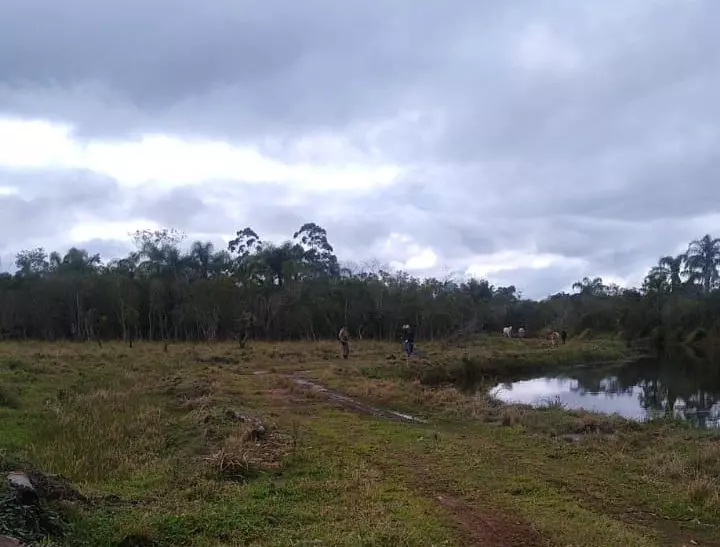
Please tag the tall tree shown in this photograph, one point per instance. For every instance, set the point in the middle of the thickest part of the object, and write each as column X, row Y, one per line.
column 201, row 258
column 590, row 287
column 245, row 243
column 32, row 262
column 317, row 251
column 159, row 254
column 703, row 261
column 80, row 261
column 674, row 265
column 281, row 262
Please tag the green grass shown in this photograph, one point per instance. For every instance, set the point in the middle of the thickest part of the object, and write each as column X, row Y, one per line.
column 472, row 363
column 145, row 435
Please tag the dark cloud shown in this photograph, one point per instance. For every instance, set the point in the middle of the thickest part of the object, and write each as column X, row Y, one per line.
column 557, row 127
column 249, row 68
column 274, row 65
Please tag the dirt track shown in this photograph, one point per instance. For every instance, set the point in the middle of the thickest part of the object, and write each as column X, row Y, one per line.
column 488, row 527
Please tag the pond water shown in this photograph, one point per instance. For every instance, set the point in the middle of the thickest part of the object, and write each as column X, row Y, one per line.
column 685, row 385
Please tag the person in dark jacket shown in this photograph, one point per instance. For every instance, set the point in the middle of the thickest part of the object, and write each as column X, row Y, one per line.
column 409, row 340
column 563, row 335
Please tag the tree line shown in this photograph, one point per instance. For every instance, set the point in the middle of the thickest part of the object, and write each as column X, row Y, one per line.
column 166, row 290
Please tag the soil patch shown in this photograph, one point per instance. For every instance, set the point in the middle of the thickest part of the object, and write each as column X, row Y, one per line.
column 479, row 523
column 489, row 527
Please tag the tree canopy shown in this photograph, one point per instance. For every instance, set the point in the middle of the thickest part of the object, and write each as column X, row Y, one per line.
column 297, row 289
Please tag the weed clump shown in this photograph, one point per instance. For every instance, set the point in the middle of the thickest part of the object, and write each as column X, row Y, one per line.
column 8, row 399
column 12, row 363
column 249, row 449
column 232, row 461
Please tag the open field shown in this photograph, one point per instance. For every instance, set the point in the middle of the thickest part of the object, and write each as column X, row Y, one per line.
column 157, row 445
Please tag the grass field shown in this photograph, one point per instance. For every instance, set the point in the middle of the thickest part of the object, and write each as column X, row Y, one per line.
column 155, row 442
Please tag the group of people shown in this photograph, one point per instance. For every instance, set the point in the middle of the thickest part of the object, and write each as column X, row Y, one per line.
column 344, row 338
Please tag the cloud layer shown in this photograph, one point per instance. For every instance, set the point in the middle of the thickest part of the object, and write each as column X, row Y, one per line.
column 532, row 142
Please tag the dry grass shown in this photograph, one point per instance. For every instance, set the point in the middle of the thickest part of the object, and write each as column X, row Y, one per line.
column 702, row 490
column 232, row 461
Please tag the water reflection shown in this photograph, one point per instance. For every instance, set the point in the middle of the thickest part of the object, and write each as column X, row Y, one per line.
column 685, row 385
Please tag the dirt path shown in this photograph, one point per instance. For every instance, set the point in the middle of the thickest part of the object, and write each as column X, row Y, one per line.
column 353, row 405
column 486, row 527
column 490, row 527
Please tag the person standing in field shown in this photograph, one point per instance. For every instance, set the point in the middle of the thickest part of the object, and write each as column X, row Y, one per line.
column 344, row 337
column 409, row 340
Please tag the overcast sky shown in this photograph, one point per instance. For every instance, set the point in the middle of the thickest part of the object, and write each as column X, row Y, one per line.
column 531, row 142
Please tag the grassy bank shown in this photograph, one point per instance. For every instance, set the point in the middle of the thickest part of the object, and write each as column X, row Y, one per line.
column 482, row 360
column 158, row 444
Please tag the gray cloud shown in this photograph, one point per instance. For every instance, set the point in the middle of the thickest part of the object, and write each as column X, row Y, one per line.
column 553, row 126
column 268, row 63
column 180, row 207
column 49, row 204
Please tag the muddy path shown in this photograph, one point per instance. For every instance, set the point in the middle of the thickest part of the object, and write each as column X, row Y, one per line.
column 353, row 405
column 483, row 525
column 476, row 522
column 489, row 527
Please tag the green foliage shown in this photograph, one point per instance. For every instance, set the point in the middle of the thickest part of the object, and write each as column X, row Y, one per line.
column 298, row 290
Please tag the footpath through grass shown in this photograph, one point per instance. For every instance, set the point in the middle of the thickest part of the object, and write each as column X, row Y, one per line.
column 166, row 451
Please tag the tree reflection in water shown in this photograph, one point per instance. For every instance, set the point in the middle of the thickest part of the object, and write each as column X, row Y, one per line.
column 684, row 383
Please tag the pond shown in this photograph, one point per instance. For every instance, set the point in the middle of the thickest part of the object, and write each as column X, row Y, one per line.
column 685, row 385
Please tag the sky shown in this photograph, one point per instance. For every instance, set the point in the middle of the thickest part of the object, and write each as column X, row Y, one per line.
column 529, row 142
